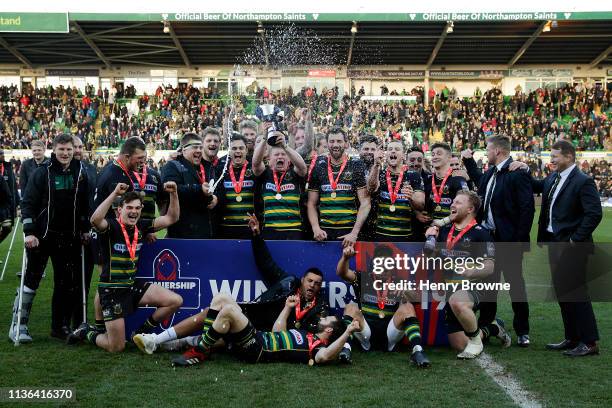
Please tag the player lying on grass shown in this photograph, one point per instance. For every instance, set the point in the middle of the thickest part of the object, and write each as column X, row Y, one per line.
column 385, row 320
column 254, row 346
column 464, row 238
column 121, row 241
column 262, row 311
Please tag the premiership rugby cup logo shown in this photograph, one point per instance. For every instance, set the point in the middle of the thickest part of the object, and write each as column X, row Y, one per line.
column 166, row 272
column 166, row 266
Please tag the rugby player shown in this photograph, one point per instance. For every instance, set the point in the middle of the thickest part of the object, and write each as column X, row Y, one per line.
column 384, row 319
column 280, row 344
column 263, row 310
column 441, row 186
column 337, row 184
column 120, row 294
column 399, row 192
column 461, row 239
column 280, row 188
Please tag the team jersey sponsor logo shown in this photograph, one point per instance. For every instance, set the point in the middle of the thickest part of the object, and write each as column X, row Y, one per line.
column 123, row 248
column 340, row 187
column 299, row 340
column 246, row 183
column 284, row 187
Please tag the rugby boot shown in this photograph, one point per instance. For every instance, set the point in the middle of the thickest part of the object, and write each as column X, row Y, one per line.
column 419, row 358
column 193, row 356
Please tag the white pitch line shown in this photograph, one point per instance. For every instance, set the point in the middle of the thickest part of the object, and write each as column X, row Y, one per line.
column 511, row 386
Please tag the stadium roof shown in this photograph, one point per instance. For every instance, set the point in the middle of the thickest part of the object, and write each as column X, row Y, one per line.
column 365, row 38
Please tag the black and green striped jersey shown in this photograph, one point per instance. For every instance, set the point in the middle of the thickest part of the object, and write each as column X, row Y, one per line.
column 368, row 298
column 118, row 269
column 338, row 212
column 233, row 206
column 290, row 346
column 397, row 223
column 452, row 186
column 281, row 214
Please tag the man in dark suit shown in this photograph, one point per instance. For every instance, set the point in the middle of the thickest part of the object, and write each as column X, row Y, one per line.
column 571, row 210
column 508, row 212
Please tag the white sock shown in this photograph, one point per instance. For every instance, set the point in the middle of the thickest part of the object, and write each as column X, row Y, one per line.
column 28, row 290
column 364, row 335
column 394, row 335
column 165, row 336
column 347, row 345
column 193, row 340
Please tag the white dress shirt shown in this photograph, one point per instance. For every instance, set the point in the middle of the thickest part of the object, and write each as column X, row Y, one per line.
column 488, row 222
column 564, row 175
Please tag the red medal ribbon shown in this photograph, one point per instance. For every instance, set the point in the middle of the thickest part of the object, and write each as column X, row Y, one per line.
column 299, row 313
column 330, row 173
column 2, row 169
column 238, row 187
column 450, row 241
column 141, row 179
column 312, row 343
column 130, row 247
column 394, row 190
column 277, row 182
column 311, row 167
column 380, row 301
column 127, row 173
column 438, row 193
column 202, row 174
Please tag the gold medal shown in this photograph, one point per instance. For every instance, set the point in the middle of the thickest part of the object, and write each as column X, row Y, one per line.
column 238, row 198
column 392, row 208
column 298, row 325
column 278, row 196
column 381, row 314
column 438, row 208
column 333, row 194
column 311, row 362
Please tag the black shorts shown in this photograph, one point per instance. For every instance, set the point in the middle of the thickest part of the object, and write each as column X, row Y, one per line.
column 118, row 303
column 452, row 324
column 378, row 339
column 253, row 350
column 262, row 315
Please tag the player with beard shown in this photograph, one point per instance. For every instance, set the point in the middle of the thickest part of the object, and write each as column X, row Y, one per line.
column 337, row 184
column 464, row 238
column 236, row 193
column 368, row 146
column 398, row 191
column 442, row 186
column 416, row 162
column 121, row 240
column 280, row 188
column 253, row 346
column 8, row 220
column 192, row 171
column 384, row 319
column 248, row 130
column 263, row 310
column 130, row 168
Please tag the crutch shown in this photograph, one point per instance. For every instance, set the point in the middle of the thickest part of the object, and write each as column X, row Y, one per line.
column 83, row 283
column 24, row 265
column 8, row 254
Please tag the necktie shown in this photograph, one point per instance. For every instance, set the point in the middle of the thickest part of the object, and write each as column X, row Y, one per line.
column 489, row 194
column 549, row 198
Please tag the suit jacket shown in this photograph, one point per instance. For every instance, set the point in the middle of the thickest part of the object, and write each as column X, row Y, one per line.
column 512, row 203
column 575, row 213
